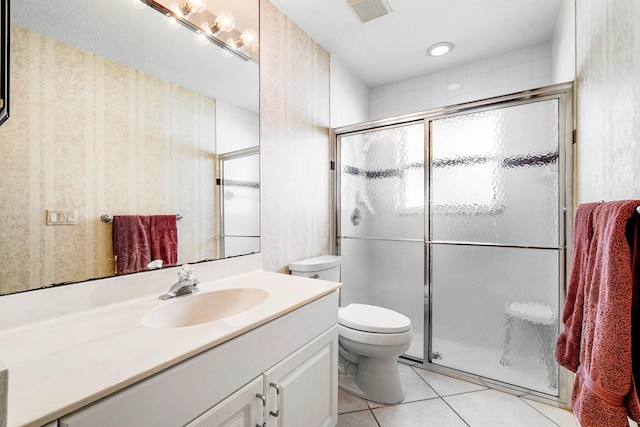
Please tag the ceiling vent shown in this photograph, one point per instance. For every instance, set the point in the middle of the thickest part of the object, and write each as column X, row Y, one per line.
column 366, row 10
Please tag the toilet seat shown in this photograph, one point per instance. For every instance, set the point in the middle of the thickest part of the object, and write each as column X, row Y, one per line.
column 373, row 319
column 373, row 338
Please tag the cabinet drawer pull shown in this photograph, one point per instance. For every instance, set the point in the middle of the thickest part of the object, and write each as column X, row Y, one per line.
column 277, row 411
column 263, row 398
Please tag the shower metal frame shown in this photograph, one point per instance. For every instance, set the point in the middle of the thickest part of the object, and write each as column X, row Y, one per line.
column 564, row 93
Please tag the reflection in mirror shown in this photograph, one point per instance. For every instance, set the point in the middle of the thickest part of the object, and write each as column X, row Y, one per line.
column 115, row 112
column 240, row 202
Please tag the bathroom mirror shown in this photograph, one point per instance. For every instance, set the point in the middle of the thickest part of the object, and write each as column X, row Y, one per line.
column 117, row 110
column 4, row 58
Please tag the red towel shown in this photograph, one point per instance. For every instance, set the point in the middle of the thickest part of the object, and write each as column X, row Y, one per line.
column 164, row 239
column 598, row 311
column 568, row 345
column 131, row 247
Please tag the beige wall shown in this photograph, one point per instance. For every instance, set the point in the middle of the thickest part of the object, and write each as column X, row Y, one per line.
column 88, row 134
column 294, row 126
column 608, row 99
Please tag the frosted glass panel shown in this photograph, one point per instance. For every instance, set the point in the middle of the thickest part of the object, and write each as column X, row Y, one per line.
column 382, row 183
column 386, row 274
column 494, row 176
column 494, row 313
column 241, row 193
column 234, row 246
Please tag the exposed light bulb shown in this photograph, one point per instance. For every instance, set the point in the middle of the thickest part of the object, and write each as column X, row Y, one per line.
column 190, row 7
column 224, row 22
column 248, row 39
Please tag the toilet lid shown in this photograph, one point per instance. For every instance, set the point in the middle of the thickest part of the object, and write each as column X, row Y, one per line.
column 370, row 318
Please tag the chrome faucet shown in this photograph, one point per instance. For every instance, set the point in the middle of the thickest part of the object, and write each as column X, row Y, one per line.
column 186, row 283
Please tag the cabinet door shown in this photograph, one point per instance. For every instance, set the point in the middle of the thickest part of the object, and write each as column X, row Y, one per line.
column 242, row 409
column 302, row 390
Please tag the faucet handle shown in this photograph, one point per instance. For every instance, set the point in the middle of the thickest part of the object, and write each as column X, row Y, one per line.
column 186, row 273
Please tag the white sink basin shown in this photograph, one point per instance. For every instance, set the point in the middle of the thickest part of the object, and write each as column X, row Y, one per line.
column 199, row 308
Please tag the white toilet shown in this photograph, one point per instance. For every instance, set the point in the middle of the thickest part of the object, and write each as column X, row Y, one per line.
column 370, row 339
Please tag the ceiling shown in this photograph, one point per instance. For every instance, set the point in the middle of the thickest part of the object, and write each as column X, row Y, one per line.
column 393, row 47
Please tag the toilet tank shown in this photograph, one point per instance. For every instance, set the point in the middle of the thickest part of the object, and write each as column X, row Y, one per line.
column 326, row 267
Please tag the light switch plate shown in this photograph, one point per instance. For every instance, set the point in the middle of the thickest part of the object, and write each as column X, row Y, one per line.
column 62, row 217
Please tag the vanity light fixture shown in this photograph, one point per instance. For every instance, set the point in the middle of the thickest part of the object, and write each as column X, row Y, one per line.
column 193, row 15
column 440, row 49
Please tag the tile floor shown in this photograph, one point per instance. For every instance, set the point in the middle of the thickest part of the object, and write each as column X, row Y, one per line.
column 441, row 401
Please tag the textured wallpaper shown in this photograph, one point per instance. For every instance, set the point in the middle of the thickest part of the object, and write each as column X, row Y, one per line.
column 294, row 138
column 92, row 135
column 608, row 99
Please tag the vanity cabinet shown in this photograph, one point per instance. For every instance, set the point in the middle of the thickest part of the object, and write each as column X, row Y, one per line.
column 242, row 408
column 291, row 361
column 303, row 389
column 299, row 391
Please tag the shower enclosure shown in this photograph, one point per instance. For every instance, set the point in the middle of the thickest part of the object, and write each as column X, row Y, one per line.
column 456, row 218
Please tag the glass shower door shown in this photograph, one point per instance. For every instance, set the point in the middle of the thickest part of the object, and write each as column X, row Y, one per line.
column 494, row 243
column 381, row 234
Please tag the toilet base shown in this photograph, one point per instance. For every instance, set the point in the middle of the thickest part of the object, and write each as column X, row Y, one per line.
column 377, row 380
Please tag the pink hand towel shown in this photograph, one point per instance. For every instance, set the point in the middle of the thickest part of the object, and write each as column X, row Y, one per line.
column 164, row 239
column 603, row 391
column 131, row 247
column 568, row 344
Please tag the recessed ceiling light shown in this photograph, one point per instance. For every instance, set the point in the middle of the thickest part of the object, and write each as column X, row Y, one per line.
column 440, row 49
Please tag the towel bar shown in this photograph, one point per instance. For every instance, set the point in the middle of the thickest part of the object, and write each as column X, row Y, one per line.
column 106, row 218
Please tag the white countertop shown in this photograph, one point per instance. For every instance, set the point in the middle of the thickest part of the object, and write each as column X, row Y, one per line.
column 61, row 364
